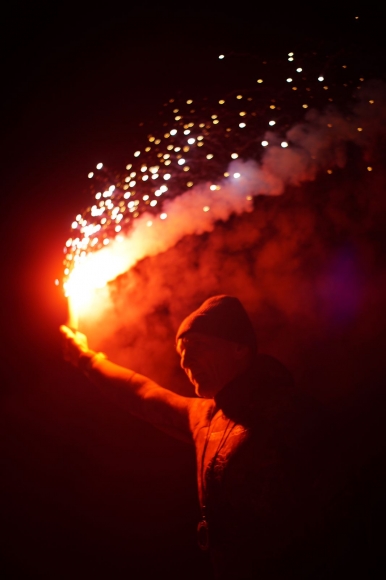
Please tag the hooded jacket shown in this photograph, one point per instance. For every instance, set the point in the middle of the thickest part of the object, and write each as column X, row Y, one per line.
column 259, row 449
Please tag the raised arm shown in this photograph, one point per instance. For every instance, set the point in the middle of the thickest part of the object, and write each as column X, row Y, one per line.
column 140, row 395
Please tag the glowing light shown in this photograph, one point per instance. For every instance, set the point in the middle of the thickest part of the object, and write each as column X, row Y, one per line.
column 74, row 225
column 290, row 58
column 141, row 199
column 163, row 188
column 163, row 216
column 290, row 54
column 371, row 102
column 99, row 166
column 329, row 171
column 149, row 223
column 221, row 56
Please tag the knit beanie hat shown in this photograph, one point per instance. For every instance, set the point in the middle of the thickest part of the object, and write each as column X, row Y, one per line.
column 223, row 317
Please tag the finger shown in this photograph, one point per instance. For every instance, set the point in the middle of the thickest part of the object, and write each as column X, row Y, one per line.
column 66, row 331
column 68, row 343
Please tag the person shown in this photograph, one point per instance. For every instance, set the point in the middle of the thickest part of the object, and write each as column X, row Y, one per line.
column 254, row 436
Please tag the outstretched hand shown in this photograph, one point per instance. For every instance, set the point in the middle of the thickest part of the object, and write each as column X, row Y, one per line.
column 74, row 344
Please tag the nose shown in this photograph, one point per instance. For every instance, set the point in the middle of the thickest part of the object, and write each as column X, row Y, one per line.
column 183, row 359
column 186, row 358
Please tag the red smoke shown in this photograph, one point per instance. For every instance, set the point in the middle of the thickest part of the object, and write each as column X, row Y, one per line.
column 309, row 266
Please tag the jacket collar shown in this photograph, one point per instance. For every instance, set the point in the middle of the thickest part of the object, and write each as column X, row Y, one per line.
column 254, row 394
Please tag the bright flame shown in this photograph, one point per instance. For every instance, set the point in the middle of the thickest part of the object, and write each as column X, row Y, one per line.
column 90, row 274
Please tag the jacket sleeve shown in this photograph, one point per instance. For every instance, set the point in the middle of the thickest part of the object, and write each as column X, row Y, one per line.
column 142, row 397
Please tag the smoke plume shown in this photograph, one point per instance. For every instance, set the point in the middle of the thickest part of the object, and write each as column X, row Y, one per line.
column 299, row 237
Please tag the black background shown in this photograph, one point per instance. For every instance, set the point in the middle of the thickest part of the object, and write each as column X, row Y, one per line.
column 89, row 492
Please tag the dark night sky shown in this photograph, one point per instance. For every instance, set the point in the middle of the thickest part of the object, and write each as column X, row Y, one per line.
column 76, row 84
